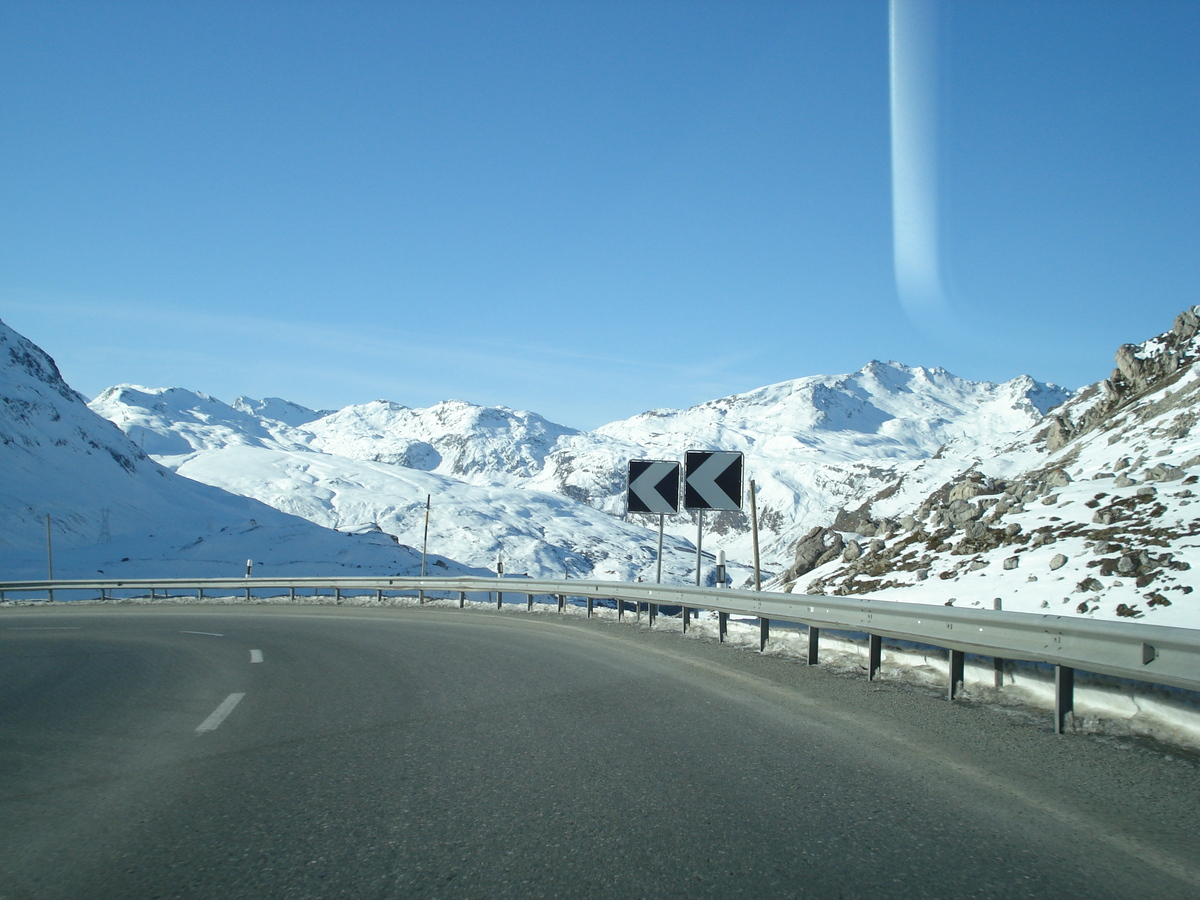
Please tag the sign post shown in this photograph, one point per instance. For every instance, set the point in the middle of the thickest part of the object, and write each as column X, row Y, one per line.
column 712, row 480
column 654, row 488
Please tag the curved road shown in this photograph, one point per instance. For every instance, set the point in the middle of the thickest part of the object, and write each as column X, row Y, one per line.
column 336, row 752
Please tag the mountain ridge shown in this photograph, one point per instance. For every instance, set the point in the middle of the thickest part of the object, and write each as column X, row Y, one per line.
column 1084, row 514
column 807, row 440
column 75, row 480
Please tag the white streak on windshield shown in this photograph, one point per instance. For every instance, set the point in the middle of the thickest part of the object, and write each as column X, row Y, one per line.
column 914, row 53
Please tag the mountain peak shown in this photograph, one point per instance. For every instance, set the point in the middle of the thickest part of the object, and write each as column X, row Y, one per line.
column 1085, row 516
column 279, row 410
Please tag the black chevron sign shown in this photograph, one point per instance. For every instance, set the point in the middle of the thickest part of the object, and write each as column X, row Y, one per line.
column 653, row 486
column 713, row 479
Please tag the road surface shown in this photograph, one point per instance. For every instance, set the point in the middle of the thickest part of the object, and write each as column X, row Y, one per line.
column 291, row 751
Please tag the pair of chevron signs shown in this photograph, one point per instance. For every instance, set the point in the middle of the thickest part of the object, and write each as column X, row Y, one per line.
column 712, row 480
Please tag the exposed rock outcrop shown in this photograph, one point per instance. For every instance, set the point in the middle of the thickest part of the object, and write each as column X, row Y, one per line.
column 1107, row 481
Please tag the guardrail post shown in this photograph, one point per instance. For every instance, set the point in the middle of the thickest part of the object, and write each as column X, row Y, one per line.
column 590, row 601
column 421, row 597
column 292, row 594
column 997, row 662
column 337, row 595
column 620, row 609
column 200, row 594
column 378, row 595
column 958, row 666
column 499, row 599
column 814, row 643
column 874, row 655
column 722, row 626
column 562, row 602
column 686, row 616
column 247, row 595
column 1064, row 696
column 764, row 633
column 462, row 599
column 529, row 603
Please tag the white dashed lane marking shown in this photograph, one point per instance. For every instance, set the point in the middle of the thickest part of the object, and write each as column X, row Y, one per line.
column 255, row 656
column 213, row 722
column 209, row 633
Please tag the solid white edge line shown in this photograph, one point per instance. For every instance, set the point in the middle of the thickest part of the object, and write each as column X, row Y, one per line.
column 209, row 633
column 255, row 656
column 218, row 715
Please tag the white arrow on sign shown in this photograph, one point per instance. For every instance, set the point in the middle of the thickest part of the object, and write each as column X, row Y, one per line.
column 653, row 486
column 713, row 480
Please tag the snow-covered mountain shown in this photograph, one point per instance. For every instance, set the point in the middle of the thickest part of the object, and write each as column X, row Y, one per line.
column 113, row 510
column 278, row 410
column 480, row 445
column 383, row 480
column 893, row 480
column 813, row 445
column 1087, row 513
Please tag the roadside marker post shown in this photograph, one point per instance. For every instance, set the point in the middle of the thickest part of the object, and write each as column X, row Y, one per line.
column 712, row 480
column 653, row 487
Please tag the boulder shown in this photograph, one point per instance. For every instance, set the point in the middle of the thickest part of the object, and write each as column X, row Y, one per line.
column 816, row 548
column 959, row 512
column 1056, row 478
column 966, row 490
column 1163, row 472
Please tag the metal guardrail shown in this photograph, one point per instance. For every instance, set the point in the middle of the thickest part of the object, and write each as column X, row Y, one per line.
column 1151, row 653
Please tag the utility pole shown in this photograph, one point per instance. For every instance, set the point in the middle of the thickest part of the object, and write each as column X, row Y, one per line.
column 754, row 530
column 424, row 548
column 49, row 557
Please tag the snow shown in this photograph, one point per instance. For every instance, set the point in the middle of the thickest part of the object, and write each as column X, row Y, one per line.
column 1113, row 469
column 114, row 511
column 549, row 500
column 813, row 445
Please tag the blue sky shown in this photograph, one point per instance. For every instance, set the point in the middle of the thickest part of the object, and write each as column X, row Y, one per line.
column 583, row 209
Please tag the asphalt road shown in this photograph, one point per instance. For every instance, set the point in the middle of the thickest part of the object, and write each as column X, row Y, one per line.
column 332, row 752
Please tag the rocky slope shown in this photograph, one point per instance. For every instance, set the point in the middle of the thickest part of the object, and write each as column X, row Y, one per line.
column 812, row 444
column 1087, row 513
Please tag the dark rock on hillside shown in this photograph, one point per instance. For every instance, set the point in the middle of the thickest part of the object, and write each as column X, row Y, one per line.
column 1111, row 477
